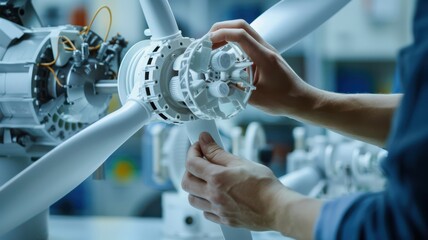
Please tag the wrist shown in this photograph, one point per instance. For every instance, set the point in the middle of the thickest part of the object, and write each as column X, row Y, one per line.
column 294, row 214
column 284, row 201
column 301, row 99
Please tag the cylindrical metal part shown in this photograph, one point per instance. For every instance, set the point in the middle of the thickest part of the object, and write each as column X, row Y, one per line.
column 102, row 51
column 106, row 86
column 85, row 51
column 77, row 56
column 109, row 58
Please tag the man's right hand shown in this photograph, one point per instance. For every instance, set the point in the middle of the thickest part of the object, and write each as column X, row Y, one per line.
column 278, row 88
column 280, row 91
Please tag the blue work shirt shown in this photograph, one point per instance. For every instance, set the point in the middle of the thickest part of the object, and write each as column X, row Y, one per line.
column 401, row 211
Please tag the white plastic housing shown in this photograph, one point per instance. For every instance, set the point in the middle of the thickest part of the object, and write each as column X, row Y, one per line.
column 289, row 21
column 160, row 19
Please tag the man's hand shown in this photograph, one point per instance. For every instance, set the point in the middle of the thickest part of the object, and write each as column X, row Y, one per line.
column 241, row 193
column 279, row 89
column 230, row 190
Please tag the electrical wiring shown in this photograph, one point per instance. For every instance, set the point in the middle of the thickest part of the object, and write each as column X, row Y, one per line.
column 88, row 28
column 72, row 47
column 67, row 40
column 50, row 64
column 55, row 76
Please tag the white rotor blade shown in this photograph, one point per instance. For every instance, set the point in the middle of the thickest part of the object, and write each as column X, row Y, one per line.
column 287, row 22
column 194, row 129
column 65, row 167
column 160, row 18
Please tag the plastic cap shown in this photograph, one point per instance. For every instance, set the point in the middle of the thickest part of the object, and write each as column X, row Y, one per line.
column 222, row 61
column 219, row 89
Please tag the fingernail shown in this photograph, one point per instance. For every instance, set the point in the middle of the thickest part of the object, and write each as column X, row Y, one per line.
column 206, row 138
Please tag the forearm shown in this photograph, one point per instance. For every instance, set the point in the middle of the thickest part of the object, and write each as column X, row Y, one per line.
column 367, row 117
column 296, row 215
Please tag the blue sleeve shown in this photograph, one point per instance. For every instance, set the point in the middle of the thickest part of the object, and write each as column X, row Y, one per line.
column 368, row 216
column 401, row 211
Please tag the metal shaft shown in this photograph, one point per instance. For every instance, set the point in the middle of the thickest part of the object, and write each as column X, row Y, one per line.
column 106, row 86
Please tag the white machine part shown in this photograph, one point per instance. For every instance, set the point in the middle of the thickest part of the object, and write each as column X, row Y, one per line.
column 63, row 168
column 249, row 145
column 333, row 165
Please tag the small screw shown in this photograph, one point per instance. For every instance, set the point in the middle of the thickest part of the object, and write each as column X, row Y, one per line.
column 189, row 220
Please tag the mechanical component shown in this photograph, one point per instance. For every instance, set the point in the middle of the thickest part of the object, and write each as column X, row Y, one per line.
column 214, row 84
column 20, row 12
column 346, row 165
column 48, row 92
column 176, row 78
column 149, row 65
column 255, row 141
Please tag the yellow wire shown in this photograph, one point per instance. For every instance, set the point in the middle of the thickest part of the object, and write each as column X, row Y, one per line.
column 87, row 29
column 95, row 48
column 49, row 64
column 73, row 47
column 54, row 75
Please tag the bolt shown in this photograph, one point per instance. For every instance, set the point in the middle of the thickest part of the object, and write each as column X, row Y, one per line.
column 189, row 220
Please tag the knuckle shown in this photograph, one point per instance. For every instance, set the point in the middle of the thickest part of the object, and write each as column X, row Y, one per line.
column 222, row 31
column 189, row 163
column 217, row 180
column 241, row 23
column 192, row 200
column 216, row 26
column 185, row 184
column 211, row 217
column 217, row 198
column 221, row 212
column 230, row 222
column 272, row 57
column 214, row 151
column 241, row 33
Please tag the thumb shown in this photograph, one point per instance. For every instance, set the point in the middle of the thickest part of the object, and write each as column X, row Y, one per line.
column 212, row 151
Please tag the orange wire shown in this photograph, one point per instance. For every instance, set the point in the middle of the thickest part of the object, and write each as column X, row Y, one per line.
column 57, row 56
column 54, row 75
column 87, row 29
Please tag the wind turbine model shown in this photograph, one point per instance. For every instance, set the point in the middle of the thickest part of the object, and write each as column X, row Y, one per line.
column 169, row 78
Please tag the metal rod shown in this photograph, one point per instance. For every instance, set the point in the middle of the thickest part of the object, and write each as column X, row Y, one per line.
column 106, row 86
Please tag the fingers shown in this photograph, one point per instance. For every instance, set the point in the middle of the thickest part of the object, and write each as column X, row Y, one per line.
column 199, row 203
column 241, row 24
column 198, row 166
column 256, row 51
column 213, row 152
column 212, row 217
column 194, row 151
column 194, row 185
